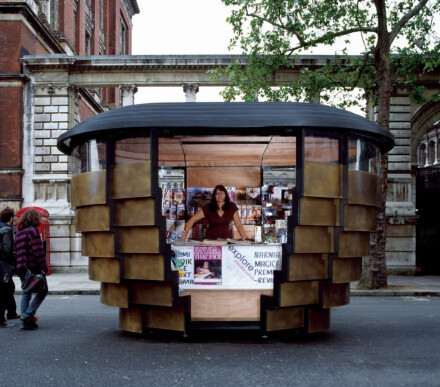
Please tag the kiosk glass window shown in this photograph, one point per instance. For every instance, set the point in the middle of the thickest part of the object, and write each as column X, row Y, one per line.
column 321, row 149
column 131, row 150
column 364, row 156
column 88, row 157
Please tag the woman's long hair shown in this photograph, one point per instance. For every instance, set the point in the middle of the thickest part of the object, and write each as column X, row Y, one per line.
column 30, row 218
column 213, row 206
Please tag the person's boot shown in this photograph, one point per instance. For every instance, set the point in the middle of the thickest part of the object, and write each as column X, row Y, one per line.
column 5, row 324
column 28, row 324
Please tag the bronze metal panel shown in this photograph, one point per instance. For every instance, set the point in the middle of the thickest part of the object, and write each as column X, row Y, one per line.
column 134, row 212
column 139, row 240
column 313, row 239
column 104, row 270
column 346, row 270
column 308, row 267
column 319, row 320
column 98, row 244
column 336, row 295
column 172, row 319
column 144, row 267
column 131, row 180
column 322, row 180
column 152, row 294
column 318, row 212
column 359, row 218
column 114, row 295
column 364, row 188
column 228, row 176
column 280, row 319
column 299, row 293
column 92, row 218
column 354, row 244
column 88, row 189
column 130, row 320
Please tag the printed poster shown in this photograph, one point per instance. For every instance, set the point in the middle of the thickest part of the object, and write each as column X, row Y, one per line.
column 226, row 267
column 207, row 265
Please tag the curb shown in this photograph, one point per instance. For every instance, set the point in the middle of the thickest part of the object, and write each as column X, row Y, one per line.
column 395, row 293
column 353, row 293
column 72, row 292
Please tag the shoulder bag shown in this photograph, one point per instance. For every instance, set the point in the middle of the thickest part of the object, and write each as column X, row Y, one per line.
column 34, row 283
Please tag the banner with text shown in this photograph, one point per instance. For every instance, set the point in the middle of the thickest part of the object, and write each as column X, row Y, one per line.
column 226, row 267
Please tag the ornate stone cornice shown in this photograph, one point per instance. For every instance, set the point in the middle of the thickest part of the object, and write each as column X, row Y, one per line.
column 155, row 62
column 51, row 87
column 131, row 7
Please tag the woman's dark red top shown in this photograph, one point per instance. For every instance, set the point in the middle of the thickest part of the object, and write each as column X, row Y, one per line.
column 219, row 226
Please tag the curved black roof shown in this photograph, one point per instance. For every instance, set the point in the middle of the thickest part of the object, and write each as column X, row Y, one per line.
column 223, row 118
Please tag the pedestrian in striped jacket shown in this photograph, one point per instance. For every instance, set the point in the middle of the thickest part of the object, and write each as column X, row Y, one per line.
column 30, row 256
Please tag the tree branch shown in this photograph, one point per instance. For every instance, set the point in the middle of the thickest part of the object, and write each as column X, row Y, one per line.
column 302, row 42
column 405, row 19
column 331, row 35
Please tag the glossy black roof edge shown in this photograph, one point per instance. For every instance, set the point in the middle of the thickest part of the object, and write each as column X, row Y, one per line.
column 257, row 116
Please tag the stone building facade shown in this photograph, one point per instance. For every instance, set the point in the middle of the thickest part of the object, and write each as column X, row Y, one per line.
column 32, row 170
column 409, row 123
column 62, row 61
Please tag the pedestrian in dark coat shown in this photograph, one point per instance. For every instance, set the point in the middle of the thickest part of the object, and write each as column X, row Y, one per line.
column 30, row 256
column 7, row 255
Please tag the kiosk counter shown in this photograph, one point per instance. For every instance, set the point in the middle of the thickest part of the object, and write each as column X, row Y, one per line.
column 306, row 180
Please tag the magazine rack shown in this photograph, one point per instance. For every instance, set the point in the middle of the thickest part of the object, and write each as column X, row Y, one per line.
column 335, row 156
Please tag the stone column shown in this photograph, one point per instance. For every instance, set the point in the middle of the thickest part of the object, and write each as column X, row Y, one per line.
column 190, row 90
column 55, row 109
column 436, row 151
column 400, row 204
column 127, row 94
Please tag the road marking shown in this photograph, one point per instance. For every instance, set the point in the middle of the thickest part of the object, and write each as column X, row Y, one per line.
column 417, row 298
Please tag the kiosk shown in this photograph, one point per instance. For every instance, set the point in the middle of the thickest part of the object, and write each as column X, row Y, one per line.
column 305, row 178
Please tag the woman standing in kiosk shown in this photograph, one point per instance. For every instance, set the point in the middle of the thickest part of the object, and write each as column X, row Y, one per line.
column 221, row 214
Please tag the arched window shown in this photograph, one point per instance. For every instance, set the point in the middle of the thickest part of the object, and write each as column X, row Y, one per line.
column 431, row 153
column 422, row 155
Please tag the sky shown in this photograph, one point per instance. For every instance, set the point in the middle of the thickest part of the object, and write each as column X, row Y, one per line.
column 177, row 27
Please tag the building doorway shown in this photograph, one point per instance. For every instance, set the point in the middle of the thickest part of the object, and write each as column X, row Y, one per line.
column 428, row 225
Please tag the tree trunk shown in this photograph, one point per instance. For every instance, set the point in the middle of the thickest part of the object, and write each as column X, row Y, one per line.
column 374, row 270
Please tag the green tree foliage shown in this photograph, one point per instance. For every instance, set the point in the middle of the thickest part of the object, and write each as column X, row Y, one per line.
column 271, row 32
column 398, row 37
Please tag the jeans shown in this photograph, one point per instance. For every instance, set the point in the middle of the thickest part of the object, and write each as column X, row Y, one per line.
column 28, row 307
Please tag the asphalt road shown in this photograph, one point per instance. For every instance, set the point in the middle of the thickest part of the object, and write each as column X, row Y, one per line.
column 372, row 341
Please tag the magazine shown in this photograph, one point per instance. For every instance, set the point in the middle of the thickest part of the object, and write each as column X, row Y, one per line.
column 173, row 211
column 178, row 196
column 181, row 211
column 194, row 197
column 253, row 195
column 240, row 195
column 231, row 193
column 237, row 242
column 207, row 265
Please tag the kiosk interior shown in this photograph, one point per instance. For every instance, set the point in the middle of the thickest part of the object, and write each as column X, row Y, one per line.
column 306, row 182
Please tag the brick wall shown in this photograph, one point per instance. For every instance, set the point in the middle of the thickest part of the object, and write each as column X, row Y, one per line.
column 66, row 20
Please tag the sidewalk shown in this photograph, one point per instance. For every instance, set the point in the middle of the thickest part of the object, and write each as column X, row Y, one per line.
column 78, row 283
